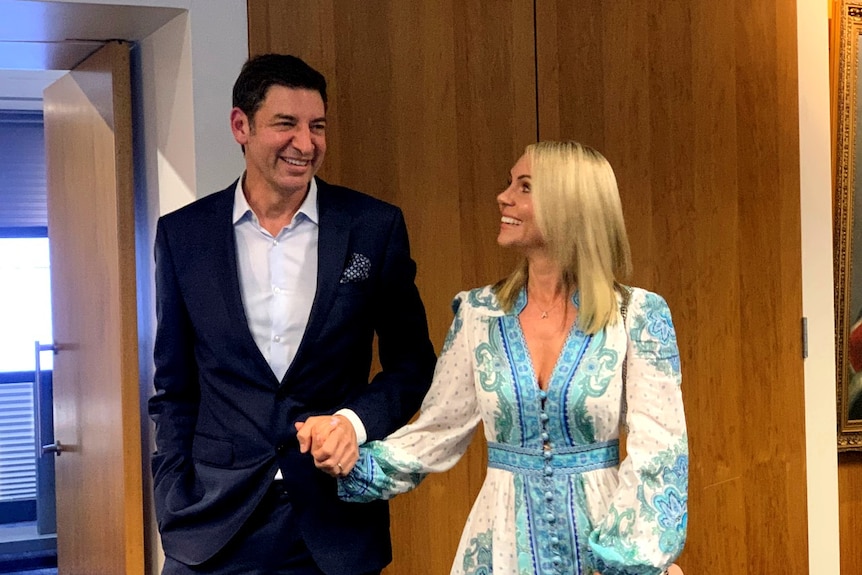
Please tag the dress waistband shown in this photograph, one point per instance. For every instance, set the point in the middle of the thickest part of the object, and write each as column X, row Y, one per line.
column 566, row 460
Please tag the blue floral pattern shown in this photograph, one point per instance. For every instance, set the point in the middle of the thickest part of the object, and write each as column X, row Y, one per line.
column 556, row 499
column 478, row 557
column 654, row 335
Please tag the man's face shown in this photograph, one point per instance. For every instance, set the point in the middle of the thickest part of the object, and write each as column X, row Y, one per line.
column 285, row 140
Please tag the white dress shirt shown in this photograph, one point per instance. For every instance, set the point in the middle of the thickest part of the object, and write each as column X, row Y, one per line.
column 278, row 281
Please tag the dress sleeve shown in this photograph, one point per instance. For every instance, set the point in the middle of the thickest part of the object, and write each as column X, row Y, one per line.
column 436, row 440
column 645, row 527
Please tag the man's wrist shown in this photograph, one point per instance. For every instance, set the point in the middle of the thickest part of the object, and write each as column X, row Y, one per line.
column 358, row 426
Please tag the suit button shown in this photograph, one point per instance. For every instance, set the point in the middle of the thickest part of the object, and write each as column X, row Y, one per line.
column 281, row 448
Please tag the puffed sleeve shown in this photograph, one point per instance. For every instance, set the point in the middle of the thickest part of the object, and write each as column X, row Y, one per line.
column 437, row 439
column 645, row 527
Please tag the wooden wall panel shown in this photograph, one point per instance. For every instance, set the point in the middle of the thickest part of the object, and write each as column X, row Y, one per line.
column 850, row 510
column 695, row 105
column 431, row 102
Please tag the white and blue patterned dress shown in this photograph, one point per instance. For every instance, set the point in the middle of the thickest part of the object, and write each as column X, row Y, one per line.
column 556, row 498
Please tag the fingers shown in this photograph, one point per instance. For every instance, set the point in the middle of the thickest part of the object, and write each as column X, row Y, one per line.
column 303, row 435
column 338, row 454
column 331, row 440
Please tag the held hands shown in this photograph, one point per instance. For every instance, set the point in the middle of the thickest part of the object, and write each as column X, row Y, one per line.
column 332, row 442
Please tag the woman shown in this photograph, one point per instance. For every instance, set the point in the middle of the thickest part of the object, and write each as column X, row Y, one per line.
column 548, row 359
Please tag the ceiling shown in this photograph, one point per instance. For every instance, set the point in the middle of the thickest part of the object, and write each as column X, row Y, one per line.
column 40, row 40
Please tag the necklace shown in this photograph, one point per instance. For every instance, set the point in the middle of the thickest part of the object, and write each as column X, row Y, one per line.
column 550, row 309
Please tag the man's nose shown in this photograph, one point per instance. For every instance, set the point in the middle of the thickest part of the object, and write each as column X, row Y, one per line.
column 302, row 140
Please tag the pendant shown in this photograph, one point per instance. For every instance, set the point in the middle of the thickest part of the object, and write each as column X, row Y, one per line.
column 544, row 315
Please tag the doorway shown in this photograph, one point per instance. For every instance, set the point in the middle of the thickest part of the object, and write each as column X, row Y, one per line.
column 27, row 503
column 33, row 54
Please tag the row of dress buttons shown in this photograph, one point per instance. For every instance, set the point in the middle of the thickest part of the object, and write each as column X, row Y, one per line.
column 548, row 455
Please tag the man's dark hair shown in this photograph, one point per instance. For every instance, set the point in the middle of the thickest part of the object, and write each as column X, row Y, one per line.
column 260, row 73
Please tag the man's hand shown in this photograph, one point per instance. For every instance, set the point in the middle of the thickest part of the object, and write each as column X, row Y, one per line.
column 332, row 442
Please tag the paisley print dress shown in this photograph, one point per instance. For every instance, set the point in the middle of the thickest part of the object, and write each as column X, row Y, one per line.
column 556, row 497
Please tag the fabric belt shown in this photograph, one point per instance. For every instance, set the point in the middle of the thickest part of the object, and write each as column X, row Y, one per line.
column 566, row 460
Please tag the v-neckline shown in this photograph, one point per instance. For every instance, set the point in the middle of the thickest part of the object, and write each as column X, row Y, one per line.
column 553, row 376
column 518, row 308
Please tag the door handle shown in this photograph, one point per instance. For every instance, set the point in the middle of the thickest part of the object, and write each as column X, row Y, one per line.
column 37, row 402
column 55, row 447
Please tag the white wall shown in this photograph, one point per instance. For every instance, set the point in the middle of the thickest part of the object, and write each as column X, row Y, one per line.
column 817, row 289
column 187, row 85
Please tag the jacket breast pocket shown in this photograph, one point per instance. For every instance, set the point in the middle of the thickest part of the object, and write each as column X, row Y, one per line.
column 211, row 451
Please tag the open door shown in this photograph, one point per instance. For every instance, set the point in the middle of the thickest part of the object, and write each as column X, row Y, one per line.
column 97, row 430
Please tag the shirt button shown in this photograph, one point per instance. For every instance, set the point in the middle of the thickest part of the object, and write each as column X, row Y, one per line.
column 276, row 338
column 275, row 242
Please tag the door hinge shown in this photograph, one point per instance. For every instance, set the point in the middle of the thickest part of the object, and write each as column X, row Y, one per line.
column 804, row 338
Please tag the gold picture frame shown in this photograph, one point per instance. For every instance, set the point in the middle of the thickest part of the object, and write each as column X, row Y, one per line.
column 847, row 234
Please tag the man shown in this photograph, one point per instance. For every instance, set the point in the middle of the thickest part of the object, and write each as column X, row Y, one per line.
column 268, row 297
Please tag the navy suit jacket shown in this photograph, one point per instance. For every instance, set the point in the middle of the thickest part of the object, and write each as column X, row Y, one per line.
column 224, row 423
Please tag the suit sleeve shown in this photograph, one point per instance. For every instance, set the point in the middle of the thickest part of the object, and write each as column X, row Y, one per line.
column 406, row 354
column 174, row 407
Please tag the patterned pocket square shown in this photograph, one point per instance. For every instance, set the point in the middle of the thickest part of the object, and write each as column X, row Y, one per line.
column 358, row 268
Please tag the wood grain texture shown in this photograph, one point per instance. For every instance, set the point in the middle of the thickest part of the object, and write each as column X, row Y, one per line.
column 850, row 510
column 695, row 105
column 96, row 384
column 431, row 102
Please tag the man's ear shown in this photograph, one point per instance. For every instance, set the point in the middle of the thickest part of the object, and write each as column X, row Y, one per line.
column 240, row 125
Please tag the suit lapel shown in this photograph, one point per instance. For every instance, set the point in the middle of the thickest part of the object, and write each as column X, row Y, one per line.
column 226, row 274
column 332, row 241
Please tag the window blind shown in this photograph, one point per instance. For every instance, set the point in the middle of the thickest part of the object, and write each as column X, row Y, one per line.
column 23, row 184
column 17, row 442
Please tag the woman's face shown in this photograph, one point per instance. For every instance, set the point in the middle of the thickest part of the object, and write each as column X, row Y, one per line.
column 518, row 228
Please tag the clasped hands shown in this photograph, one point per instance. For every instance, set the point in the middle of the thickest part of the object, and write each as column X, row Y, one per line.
column 331, row 440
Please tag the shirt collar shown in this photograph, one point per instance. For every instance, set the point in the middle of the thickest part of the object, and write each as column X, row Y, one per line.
column 308, row 208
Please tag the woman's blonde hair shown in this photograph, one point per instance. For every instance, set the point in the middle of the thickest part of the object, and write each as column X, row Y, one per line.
column 578, row 211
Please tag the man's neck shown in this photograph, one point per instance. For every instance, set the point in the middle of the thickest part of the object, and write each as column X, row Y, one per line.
column 274, row 209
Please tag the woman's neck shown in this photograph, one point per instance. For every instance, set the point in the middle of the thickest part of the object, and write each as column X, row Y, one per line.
column 545, row 279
